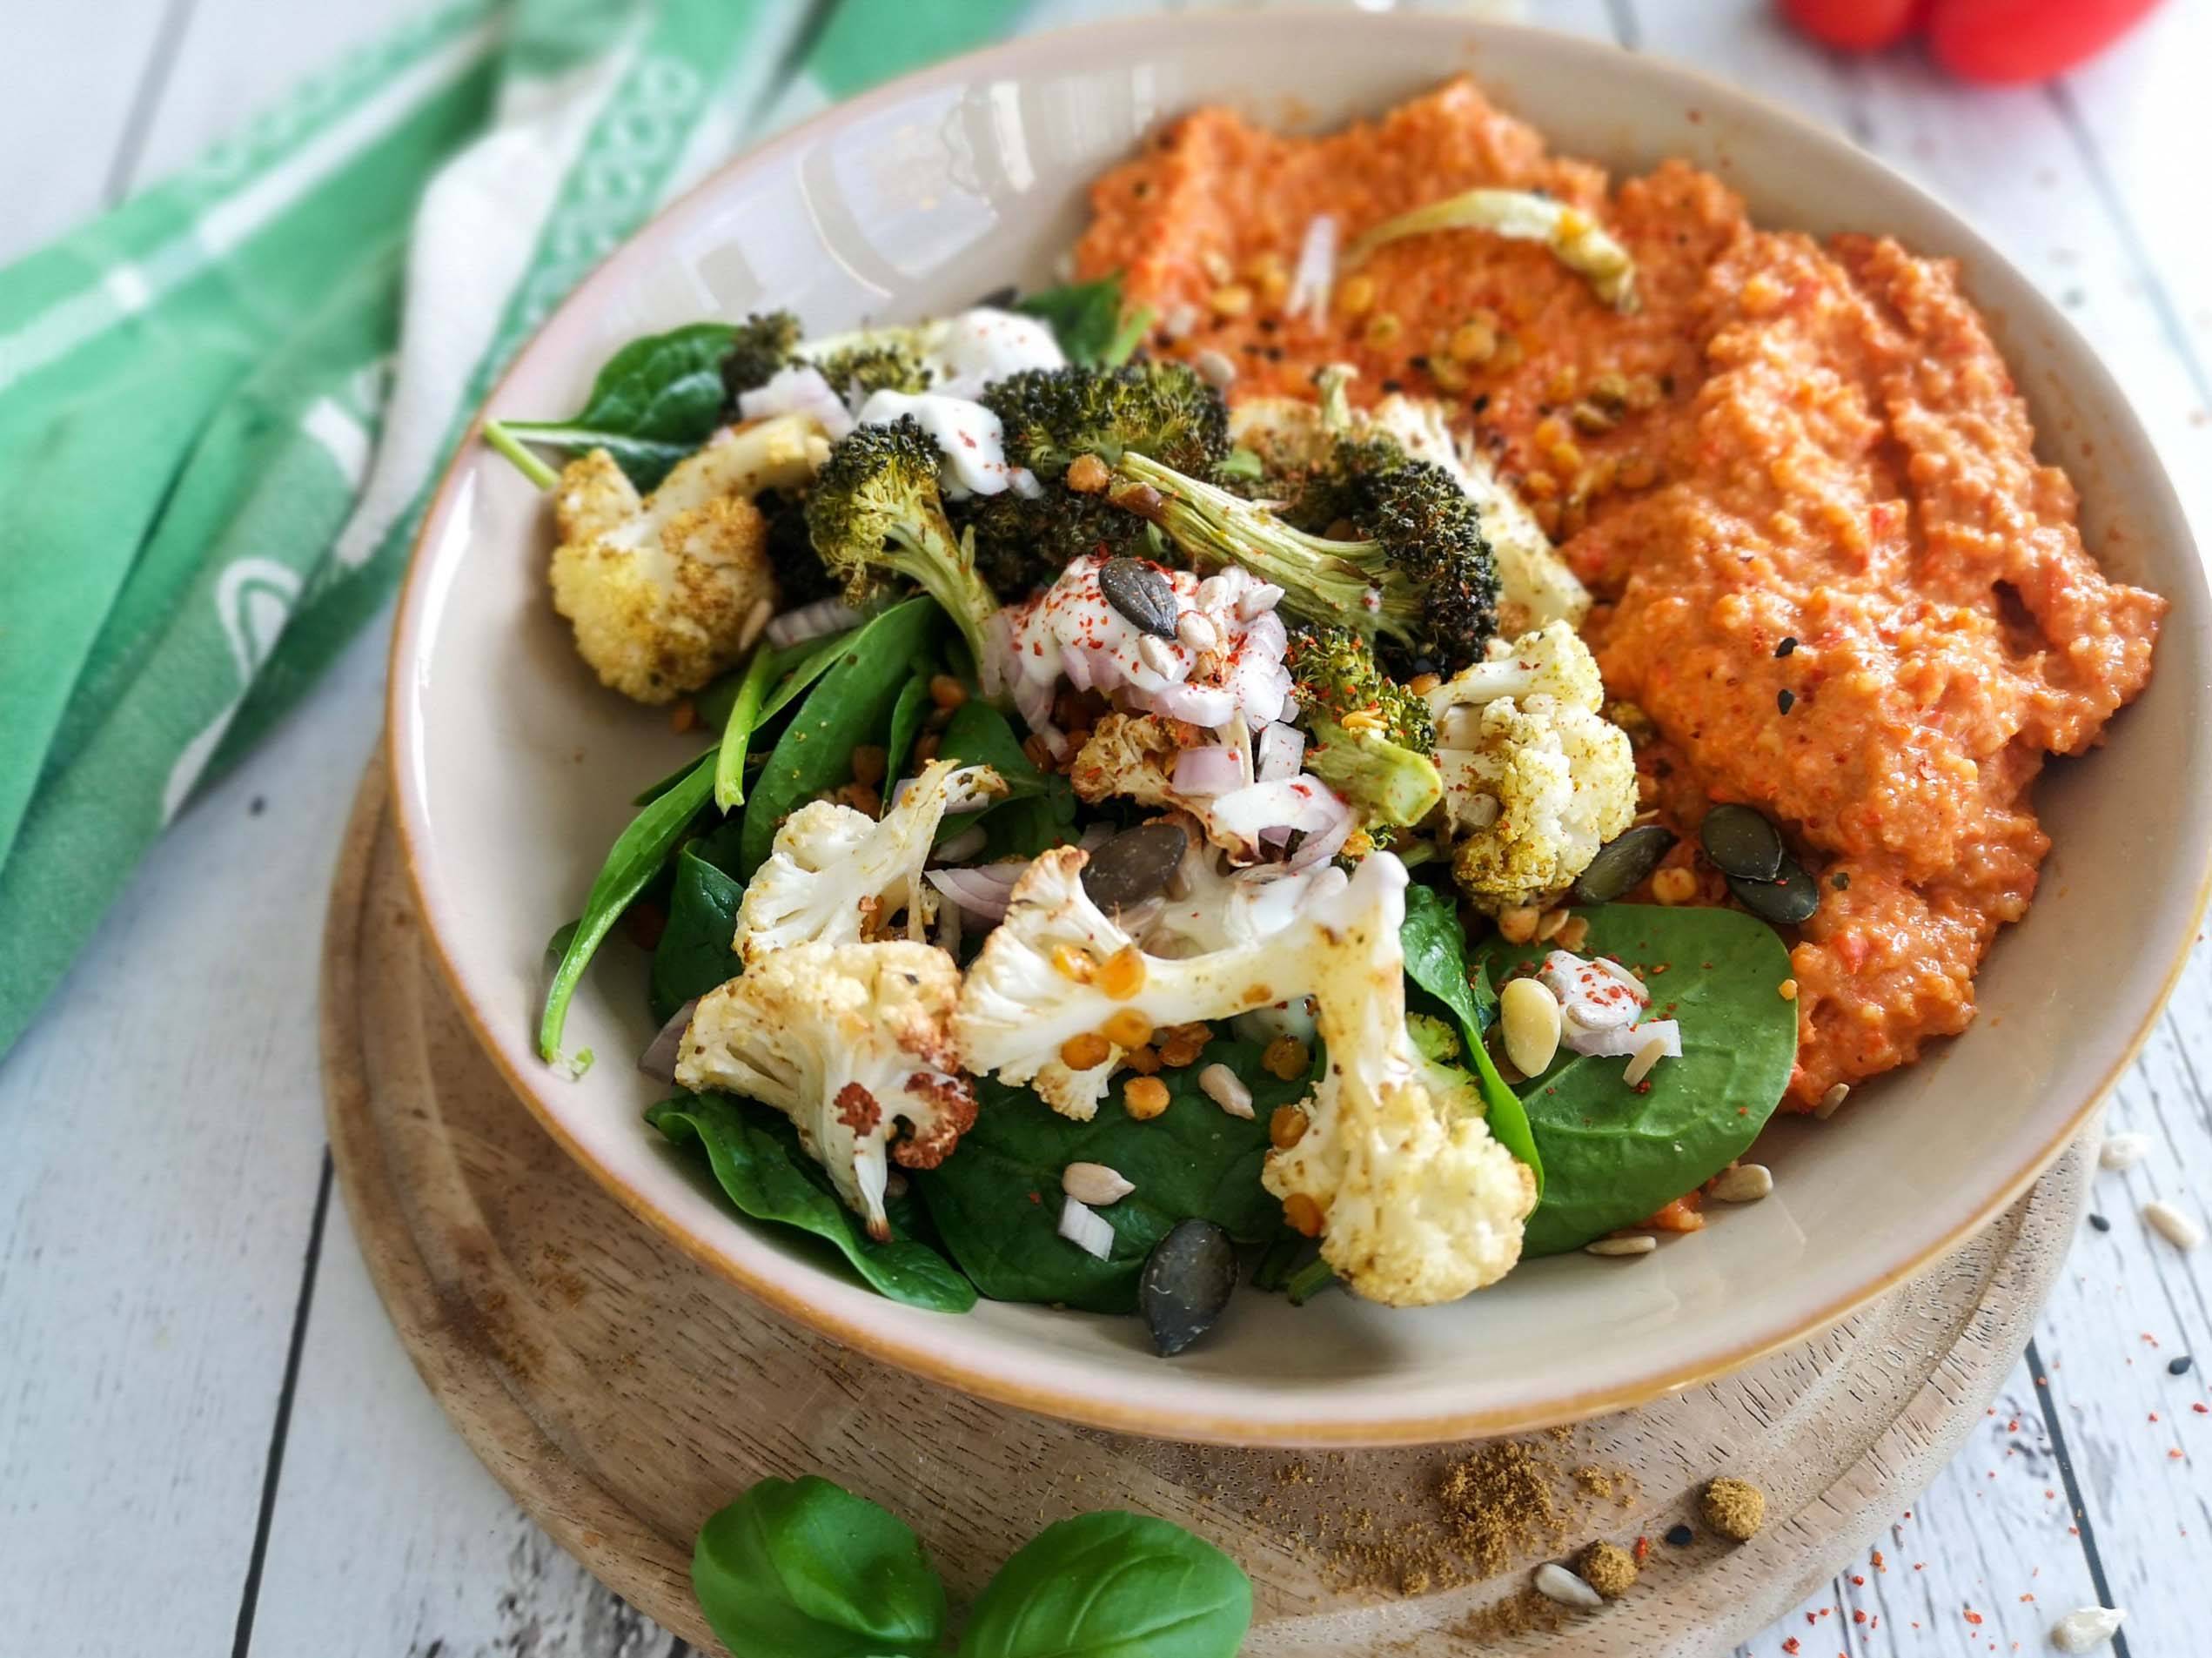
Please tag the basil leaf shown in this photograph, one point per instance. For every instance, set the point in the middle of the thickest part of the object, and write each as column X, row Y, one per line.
column 996, row 1200
column 802, row 1568
column 1112, row 1585
column 694, row 955
column 757, row 1161
column 1086, row 317
column 634, row 859
column 1615, row 1155
column 847, row 706
column 1436, row 961
column 656, row 401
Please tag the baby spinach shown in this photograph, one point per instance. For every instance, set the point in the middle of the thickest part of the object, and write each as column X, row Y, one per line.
column 755, row 1156
column 906, row 724
column 1039, row 809
column 802, row 1568
column 656, row 401
column 1614, row 1155
column 636, row 858
column 1086, row 317
column 1112, row 1585
column 848, row 706
column 1436, row 961
column 996, row 1200
column 694, row 955
column 805, row 1570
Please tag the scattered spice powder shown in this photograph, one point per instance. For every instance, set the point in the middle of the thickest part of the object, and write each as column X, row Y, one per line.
column 1608, row 1568
column 1735, row 1509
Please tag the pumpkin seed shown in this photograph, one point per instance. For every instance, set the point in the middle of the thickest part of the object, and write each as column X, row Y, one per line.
column 1143, row 596
column 1621, row 863
column 1742, row 843
column 1187, row 1281
column 1790, row 898
column 1134, row 866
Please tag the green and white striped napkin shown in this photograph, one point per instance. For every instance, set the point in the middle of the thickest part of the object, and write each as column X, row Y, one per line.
column 223, row 405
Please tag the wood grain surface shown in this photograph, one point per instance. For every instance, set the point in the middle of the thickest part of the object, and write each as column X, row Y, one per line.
column 621, row 1393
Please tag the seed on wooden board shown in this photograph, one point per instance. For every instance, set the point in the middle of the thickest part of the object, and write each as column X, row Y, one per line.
column 1555, row 1582
column 1621, row 864
column 2123, row 1151
column 1634, row 1244
column 2173, row 1225
column 1741, row 841
column 1187, row 1280
column 1226, row 1089
column 1094, row 1183
column 1789, row 898
column 1143, row 596
column 1528, row 1017
column 2087, row 1628
column 1133, row 866
column 1746, row 1183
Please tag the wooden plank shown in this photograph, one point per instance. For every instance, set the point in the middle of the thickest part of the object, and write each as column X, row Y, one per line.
column 86, row 79
column 165, row 1143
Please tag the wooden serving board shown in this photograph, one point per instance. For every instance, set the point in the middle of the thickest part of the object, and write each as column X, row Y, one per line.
column 622, row 1393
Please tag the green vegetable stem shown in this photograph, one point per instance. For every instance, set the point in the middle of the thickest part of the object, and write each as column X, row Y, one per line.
column 737, row 730
column 657, row 399
column 636, row 856
column 1613, row 1154
column 805, row 1570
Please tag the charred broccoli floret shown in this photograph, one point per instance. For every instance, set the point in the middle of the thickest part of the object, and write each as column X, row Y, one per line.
column 763, row 343
column 875, row 511
column 1162, row 409
column 1024, row 544
column 1369, row 738
column 873, row 363
column 801, row 576
column 1419, row 581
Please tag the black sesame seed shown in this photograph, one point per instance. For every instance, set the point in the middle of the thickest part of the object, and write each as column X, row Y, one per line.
column 1682, row 1536
column 1784, row 699
column 1840, row 880
column 1481, row 402
column 2100, row 1223
column 1393, row 385
column 1788, row 644
column 2179, row 1366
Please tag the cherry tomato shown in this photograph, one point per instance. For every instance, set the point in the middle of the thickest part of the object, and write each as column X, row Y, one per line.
column 2007, row 42
column 1854, row 25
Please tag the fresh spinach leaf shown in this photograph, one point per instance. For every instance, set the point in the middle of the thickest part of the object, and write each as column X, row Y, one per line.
column 996, row 1200
column 694, row 955
column 656, row 401
column 847, row 706
column 1087, row 319
column 1112, row 1585
column 1436, row 961
column 744, row 717
column 802, row 1568
column 978, row 734
column 906, row 724
column 756, row 1159
column 1613, row 1155
column 799, row 666
column 636, row 858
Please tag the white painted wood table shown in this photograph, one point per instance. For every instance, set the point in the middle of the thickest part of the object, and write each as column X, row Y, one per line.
column 208, row 1436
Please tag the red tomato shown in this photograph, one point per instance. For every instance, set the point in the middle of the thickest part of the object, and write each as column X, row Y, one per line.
column 1854, row 25
column 2006, row 41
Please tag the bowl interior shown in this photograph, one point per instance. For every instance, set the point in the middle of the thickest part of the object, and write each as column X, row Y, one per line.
column 514, row 771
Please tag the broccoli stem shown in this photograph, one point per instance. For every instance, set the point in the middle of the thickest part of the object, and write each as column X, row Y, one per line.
column 527, row 463
column 1389, row 783
column 947, row 574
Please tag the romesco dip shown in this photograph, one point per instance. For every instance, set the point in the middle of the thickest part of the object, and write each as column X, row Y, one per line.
column 1797, row 477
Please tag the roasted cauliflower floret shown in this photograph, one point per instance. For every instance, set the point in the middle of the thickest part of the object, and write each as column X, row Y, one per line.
column 1535, row 779
column 836, row 876
column 1053, row 973
column 853, row 1044
column 665, row 591
column 1134, row 757
column 1413, row 1201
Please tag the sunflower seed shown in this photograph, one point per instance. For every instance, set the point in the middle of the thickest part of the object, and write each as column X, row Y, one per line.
column 2123, row 1151
column 1746, row 1183
column 2173, row 1225
column 1634, row 1244
column 1555, row 1582
column 1094, row 1183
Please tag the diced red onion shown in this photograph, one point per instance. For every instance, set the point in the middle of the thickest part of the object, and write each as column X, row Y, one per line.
column 1316, row 271
column 1622, row 1040
column 817, row 620
column 659, row 1060
column 1206, row 705
column 1210, row 769
column 1095, row 837
column 982, row 891
column 798, row 390
column 1324, row 843
column 963, row 846
column 1281, row 750
column 1086, row 1229
column 1300, row 803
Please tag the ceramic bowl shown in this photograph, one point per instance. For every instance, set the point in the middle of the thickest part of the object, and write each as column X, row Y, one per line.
column 514, row 771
